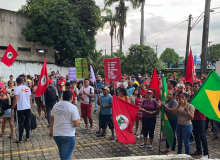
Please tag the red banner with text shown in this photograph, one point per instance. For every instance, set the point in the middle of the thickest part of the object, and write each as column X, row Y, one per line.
column 112, row 68
column 139, row 102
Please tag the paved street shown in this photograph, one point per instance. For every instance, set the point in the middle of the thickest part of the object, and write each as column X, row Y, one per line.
column 87, row 145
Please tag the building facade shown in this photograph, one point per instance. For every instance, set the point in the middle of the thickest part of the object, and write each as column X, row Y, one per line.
column 11, row 24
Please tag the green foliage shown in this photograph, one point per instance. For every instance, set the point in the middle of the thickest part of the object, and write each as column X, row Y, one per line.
column 141, row 59
column 169, row 56
column 95, row 59
column 68, row 27
column 214, row 53
column 25, row 8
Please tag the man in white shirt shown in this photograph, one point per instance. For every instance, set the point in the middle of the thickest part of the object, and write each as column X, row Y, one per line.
column 122, row 84
column 63, row 120
column 86, row 94
column 22, row 97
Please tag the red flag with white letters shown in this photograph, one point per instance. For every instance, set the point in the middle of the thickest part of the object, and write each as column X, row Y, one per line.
column 43, row 81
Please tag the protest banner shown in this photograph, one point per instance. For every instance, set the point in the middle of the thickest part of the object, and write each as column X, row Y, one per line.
column 72, row 74
column 139, row 102
column 81, row 68
column 112, row 67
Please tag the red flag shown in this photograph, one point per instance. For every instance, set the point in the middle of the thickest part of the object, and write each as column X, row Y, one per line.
column 112, row 67
column 139, row 102
column 154, row 84
column 9, row 56
column 43, row 81
column 124, row 115
column 190, row 70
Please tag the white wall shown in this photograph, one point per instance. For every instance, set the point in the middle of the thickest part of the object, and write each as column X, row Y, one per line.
column 28, row 68
column 218, row 67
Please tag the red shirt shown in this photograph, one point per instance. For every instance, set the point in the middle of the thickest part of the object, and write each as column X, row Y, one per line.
column 198, row 115
column 142, row 92
column 61, row 83
column 74, row 96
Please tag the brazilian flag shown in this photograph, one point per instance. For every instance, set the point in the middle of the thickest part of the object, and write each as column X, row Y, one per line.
column 207, row 98
column 166, row 128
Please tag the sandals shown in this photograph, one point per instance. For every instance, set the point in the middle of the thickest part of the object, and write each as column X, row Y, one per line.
column 98, row 132
column 101, row 135
column 214, row 137
column 17, row 141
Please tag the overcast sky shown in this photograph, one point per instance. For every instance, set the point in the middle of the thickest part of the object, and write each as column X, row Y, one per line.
column 160, row 15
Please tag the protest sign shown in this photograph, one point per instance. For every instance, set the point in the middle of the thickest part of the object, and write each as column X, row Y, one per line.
column 81, row 68
column 72, row 74
column 112, row 67
column 139, row 102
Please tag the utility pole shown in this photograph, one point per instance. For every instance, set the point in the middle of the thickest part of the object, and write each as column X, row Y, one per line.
column 209, row 51
column 205, row 37
column 187, row 44
column 105, row 51
column 142, row 23
column 156, row 48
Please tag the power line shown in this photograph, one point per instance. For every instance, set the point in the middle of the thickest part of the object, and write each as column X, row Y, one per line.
column 195, row 23
column 166, row 30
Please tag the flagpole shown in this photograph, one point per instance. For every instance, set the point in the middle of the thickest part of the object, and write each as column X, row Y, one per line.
column 160, row 133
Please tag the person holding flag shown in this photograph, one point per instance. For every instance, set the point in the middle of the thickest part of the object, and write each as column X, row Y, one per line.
column 170, row 103
column 185, row 112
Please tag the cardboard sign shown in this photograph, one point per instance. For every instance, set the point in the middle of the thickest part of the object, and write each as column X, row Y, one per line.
column 138, row 102
column 112, row 67
column 81, row 68
column 72, row 74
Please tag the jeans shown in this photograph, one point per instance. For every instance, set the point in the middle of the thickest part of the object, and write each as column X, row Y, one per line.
column 215, row 127
column 49, row 107
column 96, row 99
column 199, row 134
column 173, row 124
column 65, row 146
column 183, row 133
column 23, row 121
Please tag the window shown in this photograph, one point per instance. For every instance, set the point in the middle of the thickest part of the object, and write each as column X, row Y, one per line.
column 41, row 50
column 3, row 47
column 24, row 49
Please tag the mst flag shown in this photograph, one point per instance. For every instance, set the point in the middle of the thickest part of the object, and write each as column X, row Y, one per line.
column 124, row 114
column 9, row 56
column 207, row 98
column 43, row 81
column 166, row 128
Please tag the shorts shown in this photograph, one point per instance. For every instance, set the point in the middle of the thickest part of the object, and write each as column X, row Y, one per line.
column 7, row 113
column 86, row 110
column 60, row 93
column 38, row 100
column 106, row 119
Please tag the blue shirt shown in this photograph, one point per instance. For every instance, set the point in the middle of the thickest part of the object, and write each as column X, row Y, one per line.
column 130, row 91
column 105, row 101
column 98, row 85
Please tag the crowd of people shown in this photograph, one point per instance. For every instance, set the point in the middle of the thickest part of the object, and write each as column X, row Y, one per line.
column 61, row 97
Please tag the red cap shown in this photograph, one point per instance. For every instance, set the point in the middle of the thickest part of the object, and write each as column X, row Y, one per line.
column 4, row 91
column 62, row 77
column 67, row 75
column 50, row 81
column 150, row 91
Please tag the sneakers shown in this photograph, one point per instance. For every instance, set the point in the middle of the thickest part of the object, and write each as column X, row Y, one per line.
column 140, row 136
column 197, row 153
column 191, row 142
column 150, row 148
column 143, row 145
column 112, row 138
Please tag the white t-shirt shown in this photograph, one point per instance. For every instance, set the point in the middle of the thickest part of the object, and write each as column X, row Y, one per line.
column 64, row 114
column 23, row 93
column 76, row 92
column 85, row 97
column 125, row 84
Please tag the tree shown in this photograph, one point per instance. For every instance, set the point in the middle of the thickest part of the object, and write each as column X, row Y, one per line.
column 214, row 51
column 54, row 24
column 141, row 59
column 169, row 56
column 121, row 15
column 95, row 59
column 25, row 8
column 112, row 21
column 89, row 15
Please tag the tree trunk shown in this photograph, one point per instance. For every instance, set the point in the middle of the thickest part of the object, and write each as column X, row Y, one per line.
column 142, row 23
column 111, row 45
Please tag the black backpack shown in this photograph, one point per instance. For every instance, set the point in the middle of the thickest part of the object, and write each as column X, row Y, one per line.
column 33, row 121
column 50, row 94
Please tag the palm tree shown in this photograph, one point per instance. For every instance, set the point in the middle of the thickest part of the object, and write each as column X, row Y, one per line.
column 121, row 15
column 111, row 19
column 142, row 2
column 95, row 59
